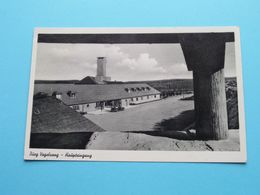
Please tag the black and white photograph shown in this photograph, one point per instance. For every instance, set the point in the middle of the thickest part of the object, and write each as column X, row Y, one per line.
column 136, row 94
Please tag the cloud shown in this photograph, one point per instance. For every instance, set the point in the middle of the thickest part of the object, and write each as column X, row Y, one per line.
column 124, row 62
column 178, row 69
column 144, row 63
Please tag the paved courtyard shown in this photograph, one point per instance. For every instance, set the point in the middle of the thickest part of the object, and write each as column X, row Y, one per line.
column 141, row 117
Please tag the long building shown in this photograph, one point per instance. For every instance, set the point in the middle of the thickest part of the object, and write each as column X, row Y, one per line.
column 85, row 97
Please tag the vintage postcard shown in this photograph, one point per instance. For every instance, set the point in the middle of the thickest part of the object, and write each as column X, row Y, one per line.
column 136, row 94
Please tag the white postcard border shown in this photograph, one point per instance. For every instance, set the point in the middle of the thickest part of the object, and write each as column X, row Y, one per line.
column 139, row 156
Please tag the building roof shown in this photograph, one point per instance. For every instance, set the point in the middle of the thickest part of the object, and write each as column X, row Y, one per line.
column 96, row 93
column 88, row 80
column 50, row 115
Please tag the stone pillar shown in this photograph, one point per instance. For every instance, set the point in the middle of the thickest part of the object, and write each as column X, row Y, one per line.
column 210, row 105
column 205, row 55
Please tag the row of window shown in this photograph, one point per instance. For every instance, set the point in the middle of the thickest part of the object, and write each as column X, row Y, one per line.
column 132, row 89
column 141, row 98
column 76, row 107
column 101, row 104
column 73, row 94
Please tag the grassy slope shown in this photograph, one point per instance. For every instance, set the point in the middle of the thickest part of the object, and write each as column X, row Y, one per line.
column 232, row 103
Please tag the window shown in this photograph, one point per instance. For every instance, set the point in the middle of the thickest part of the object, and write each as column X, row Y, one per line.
column 132, row 99
column 127, row 90
column 71, row 94
column 148, row 88
column 137, row 99
column 141, row 98
column 143, row 88
column 87, row 105
column 154, row 96
column 133, row 89
column 100, row 104
column 148, row 97
column 75, row 107
column 58, row 96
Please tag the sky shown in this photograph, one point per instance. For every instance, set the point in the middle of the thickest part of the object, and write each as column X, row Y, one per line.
column 125, row 62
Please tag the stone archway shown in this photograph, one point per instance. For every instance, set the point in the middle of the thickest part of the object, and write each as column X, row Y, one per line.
column 204, row 54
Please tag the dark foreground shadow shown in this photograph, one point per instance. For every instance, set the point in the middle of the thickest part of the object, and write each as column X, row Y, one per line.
column 60, row 140
column 176, row 127
column 180, row 135
column 178, row 123
column 181, row 127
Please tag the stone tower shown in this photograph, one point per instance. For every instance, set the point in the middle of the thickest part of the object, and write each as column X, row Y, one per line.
column 101, row 70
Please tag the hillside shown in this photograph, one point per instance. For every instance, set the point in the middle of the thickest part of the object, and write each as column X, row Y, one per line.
column 232, row 103
column 169, row 85
column 56, row 81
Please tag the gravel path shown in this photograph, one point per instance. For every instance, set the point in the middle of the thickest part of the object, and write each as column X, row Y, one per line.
column 142, row 117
